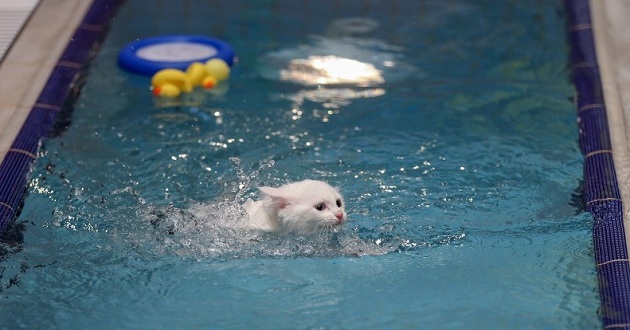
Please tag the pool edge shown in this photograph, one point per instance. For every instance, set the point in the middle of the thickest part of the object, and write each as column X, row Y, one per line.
column 59, row 87
column 601, row 187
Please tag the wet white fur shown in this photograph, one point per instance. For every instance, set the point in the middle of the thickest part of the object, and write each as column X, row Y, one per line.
column 293, row 208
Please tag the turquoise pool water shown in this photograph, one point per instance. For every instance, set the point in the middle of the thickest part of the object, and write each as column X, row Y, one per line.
column 458, row 161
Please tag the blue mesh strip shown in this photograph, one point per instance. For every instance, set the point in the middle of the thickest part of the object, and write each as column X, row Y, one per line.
column 600, row 182
column 591, row 121
column 17, row 163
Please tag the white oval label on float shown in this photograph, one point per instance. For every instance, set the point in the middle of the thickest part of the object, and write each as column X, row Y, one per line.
column 176, row 52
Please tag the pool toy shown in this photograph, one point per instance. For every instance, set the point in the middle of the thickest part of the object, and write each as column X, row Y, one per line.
column 209, row 82
column 150, row 55
column 172, row 82
column 167, row 90
column 196, row 72
column 179, row 63
column 174, row 77
column 218, row 69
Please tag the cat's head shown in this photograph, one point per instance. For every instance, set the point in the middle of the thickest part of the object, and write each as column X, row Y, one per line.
column 307, row 206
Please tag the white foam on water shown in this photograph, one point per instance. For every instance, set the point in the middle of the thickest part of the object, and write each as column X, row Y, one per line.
column 215, row 229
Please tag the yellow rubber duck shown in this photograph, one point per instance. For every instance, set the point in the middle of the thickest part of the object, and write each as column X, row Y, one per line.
column 218, row 69
column 173, row 82
column 170, row 83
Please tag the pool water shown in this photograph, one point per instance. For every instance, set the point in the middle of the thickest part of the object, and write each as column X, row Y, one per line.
column 456, row 154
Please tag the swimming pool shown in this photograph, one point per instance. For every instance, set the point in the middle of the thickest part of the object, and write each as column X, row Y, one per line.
column 458, row 171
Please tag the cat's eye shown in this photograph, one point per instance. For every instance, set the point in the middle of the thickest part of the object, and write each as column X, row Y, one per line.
column 320, row 207
column 339, row 203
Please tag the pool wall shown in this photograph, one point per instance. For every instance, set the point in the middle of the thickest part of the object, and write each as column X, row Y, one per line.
column 601, row 189
column 62, row 86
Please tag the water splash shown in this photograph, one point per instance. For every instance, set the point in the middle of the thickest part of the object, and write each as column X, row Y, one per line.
column 215, row 230
column 245, row 180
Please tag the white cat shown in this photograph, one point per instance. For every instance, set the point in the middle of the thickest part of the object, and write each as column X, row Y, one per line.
column 304, row 207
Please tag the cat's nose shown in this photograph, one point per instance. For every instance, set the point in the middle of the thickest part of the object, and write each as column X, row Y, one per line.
column 339, row 216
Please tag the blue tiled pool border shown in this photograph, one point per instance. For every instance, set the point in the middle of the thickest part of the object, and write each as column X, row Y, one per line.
column 601, row 190
column 59, row 89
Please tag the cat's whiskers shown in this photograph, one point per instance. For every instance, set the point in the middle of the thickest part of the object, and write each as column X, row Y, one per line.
column 326, row 228
column 324, row 231
column 329, row 227
column 349, row 212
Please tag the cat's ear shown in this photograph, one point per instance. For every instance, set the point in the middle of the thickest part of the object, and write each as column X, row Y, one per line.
column 278, row 196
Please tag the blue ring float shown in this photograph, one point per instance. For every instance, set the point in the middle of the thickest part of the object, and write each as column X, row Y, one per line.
column 150, row 55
